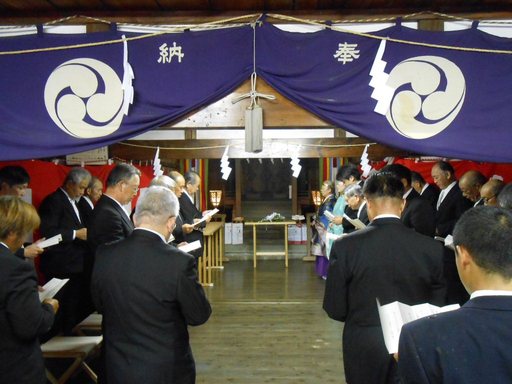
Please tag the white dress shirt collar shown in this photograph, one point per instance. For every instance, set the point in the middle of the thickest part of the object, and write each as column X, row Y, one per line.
column 490, row 292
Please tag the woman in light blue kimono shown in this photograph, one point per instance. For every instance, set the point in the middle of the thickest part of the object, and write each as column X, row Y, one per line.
column 335, row 229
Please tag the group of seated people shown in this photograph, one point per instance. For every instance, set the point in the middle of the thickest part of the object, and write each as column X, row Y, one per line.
column 91, row 223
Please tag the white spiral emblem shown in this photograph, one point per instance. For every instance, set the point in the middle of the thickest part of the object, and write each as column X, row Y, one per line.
column 429, row 93
column 84, row 98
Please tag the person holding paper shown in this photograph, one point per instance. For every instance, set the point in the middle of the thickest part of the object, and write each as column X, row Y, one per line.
column 23, row 318
column 470, row 344
column 335, row 226
column 190, row 213
column 60, row 216
column 320, row 225
column 349, row 174
column 148, row 293
column 355, row 200
column 385, row 261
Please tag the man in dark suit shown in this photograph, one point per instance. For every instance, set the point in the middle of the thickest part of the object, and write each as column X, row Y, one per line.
column 418, row 214
column 91, row 196
column 471, row 344
column 110, row 221
column 426, row 191
column 385, row 261
column 147, row 291
column 355, row 200
column 182, row 229
column 450, row 206
column 59, row 215
column 470, row 184
column 189, row 211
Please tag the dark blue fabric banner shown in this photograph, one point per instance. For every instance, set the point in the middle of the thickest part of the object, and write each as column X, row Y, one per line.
column 68, row 101
column 427, row 100
column 432, row 101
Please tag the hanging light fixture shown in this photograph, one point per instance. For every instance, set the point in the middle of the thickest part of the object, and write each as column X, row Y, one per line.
column 215, row 197
column 317, row 198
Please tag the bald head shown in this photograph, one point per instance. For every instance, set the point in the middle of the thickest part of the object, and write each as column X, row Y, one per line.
column 180, row 182
column 470, row 184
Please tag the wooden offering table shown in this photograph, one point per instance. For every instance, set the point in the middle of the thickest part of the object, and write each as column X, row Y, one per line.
column 256, row 224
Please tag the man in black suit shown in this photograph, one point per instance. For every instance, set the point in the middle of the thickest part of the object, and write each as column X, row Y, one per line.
column 471, row 344
column 418, row 214
column 60, row 215
column 426, row 191
column 91, row 196
column 182, row 229
column 490, row 191
column 385, row 261
column 450, row 206
column 189, row 211
column 355, row 200
column 148, row 292
column 470, row 184
column 110, row 221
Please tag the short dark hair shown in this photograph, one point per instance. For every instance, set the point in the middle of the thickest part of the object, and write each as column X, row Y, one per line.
column 190, row 177
column 345, row 171
column 505, row 197
column 445, row 167
column 383, row 184
column 416, row 176
column 14, row 175
column 486, row 232
column 401, row 171
column 121, row 172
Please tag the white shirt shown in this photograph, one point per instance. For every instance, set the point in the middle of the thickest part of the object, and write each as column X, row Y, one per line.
column 386, row 215
column 89, row 201
column 490, row 292
column 361, row 208
column 190, row 197
column 424, row 188
column 477, row 202
column 444, row 192
column 407, row 193
column 73, row 204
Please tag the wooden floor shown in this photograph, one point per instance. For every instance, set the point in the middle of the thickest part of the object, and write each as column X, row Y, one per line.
column 267, row 326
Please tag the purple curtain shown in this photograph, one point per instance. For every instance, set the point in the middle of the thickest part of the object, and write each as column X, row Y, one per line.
column 68, row 101
column 442, row 102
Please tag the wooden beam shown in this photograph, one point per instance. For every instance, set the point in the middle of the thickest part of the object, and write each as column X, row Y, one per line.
column 214, row 149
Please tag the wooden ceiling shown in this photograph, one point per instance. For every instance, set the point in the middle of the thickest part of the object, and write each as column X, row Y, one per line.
column 42, row 10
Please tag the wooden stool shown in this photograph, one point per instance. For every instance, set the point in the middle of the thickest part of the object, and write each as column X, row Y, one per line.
column 91, row 324
column 78, row 348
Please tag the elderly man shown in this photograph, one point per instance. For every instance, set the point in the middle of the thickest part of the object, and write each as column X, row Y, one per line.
column 385, row 261
column 490, row 191
column 470, row 184
column 471, row 344
column 505, row 197
column 147, row 291
column 181, row 228
column 426, row 191
column 110, row 221
column 355, row 200
column 91, row 196
column 60, row 216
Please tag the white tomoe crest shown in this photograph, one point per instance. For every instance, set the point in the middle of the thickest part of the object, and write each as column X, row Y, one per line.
column 429, row 92
column 84, row 97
